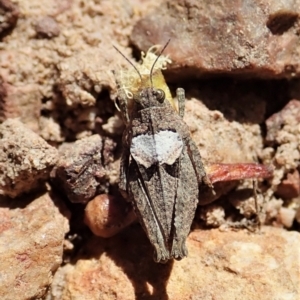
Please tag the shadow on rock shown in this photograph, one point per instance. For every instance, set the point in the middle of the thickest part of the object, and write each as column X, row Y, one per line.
column 132, row 252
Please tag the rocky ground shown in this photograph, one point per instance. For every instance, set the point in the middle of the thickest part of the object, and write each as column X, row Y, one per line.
column 65, row 230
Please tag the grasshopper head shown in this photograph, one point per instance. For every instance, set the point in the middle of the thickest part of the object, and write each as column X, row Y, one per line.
column 150, row 97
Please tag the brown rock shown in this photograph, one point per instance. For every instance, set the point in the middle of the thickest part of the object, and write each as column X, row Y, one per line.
column 220, row 265
column 282, row 126
column 9, row 14
column 23, row 102
column 107, row 215
column 226, row 176
column 82, row 78
column 283, row 133
column 25, row 159
column 290, row 187
column 286, row 217
column 213, row 215
column 50, row 130
column 47, row 27
column 258, row 38
column 237, row 171
column 81, row 170
column 77, row 62
column 297, row 217
column 222, row 141
column 31, row 246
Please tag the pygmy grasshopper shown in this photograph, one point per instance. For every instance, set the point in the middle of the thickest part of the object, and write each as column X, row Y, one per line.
column 161, row 168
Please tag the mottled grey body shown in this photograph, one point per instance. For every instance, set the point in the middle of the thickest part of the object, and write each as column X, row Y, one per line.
column 161, row 170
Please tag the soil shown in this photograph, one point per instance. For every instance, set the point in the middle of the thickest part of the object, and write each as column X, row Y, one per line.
column 61, row 143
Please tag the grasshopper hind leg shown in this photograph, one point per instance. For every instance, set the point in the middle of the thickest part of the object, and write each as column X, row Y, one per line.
column 160, row 254
column 179, row 249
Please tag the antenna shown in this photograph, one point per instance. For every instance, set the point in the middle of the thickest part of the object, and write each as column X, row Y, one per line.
column 129, row 62
column 152, row 68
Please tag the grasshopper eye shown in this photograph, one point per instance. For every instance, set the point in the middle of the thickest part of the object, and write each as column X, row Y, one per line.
column 160, row 95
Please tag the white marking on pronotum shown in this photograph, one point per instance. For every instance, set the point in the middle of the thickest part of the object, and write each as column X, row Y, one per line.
column 163, row 147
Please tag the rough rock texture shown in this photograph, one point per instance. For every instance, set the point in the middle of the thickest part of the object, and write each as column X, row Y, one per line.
column 220, row 265
column 287, row 136
column 9, row 13
column 286, row 216
column 47, row 27
column 283, row 126
column 283, row 137
column 81, row 171
column 221, row 136
column 25, row 159
column 258, row 37
column 290, row 187
column 55, row 76
column 223, row 141
column 64, row 48
column 31, row 246
column 21, row 102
